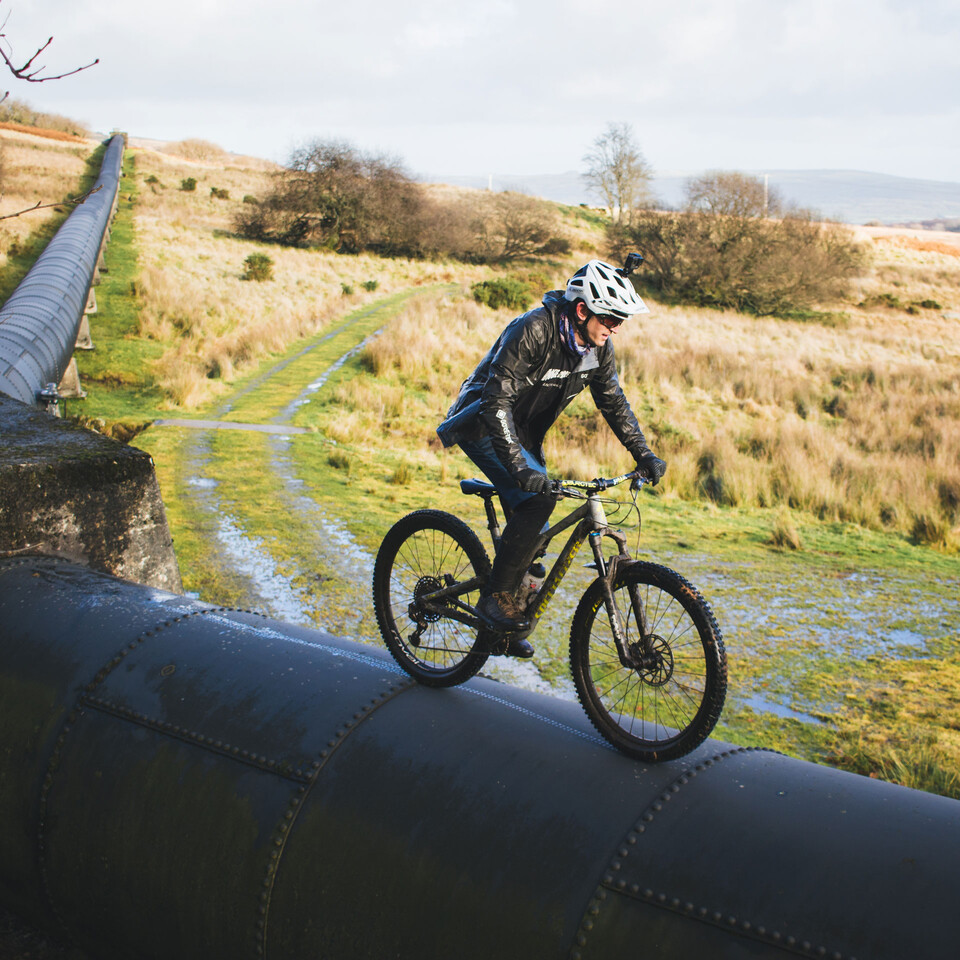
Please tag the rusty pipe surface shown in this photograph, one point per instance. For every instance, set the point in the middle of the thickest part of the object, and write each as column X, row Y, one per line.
column 40, row 320
column 180, row 780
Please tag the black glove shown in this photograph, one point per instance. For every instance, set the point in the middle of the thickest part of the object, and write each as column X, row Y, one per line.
column 652, row 467
column 533, row 481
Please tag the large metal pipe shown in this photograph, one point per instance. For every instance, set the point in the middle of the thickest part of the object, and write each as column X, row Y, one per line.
column 181, row 780
column 40, row 320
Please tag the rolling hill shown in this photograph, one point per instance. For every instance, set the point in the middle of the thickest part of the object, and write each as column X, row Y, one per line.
column 850, row 196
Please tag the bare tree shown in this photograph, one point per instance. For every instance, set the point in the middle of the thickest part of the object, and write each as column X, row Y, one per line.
column 513, row 225
column 729, row 193
column 617, row 171
column 30, row 70
column 334, row 195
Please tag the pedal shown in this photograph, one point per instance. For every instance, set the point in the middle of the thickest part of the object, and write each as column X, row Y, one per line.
column 493, row 643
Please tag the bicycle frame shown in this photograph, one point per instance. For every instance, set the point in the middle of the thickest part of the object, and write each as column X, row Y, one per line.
column 589, row 522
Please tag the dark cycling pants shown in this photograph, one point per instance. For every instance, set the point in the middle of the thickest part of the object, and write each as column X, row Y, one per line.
column 481, row 452
column 529, row 513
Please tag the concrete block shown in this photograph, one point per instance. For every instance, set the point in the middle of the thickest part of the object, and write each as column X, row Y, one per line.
column 84, row 340
column 67, row 491
column 69, row 387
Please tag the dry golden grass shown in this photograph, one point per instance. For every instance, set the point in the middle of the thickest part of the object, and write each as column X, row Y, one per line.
column 41, row 132
column 193, row 149
column 215, row 324
column 35, row 171
column 858, row 422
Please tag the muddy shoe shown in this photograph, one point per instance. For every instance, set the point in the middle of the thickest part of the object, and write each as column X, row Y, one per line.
column 520, row 648
column 502, row 613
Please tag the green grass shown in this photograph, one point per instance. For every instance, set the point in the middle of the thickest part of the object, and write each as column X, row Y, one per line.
column 116, row 373
column 778, row 608
column 22, row 256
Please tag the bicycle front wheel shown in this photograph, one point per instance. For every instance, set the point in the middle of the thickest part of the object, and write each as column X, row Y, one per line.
column 424, row 552
column 666, row 702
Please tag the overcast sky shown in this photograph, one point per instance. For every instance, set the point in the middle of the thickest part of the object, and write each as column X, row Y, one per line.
column 517, row 86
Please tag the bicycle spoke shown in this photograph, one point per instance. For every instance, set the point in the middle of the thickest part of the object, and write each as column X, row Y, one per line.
column 424, row 552
column 668, row 701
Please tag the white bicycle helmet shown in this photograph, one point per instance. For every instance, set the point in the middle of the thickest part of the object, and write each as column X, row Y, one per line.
column 605, row 291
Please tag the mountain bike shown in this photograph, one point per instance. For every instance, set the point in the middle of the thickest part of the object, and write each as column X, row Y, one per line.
column 646, row 653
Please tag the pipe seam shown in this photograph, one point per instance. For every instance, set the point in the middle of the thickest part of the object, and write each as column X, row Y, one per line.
column 282, row 832
column 610, row 884
column 54, row 762
column 230, row 751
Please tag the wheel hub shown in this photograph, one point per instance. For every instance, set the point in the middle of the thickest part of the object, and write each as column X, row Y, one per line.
column 656, row 667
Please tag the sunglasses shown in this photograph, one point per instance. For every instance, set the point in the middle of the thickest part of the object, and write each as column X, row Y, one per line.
column 611, row 323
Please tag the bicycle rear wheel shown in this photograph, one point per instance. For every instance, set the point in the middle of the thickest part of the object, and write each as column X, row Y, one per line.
column 423, row 552
column 667, row 702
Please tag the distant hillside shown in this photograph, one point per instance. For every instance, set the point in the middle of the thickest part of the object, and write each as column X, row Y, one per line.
column 851, row 196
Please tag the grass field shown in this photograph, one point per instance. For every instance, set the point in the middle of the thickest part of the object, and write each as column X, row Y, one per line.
column 813, row 486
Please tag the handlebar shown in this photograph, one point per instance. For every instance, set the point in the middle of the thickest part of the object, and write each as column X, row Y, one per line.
column 567, row 487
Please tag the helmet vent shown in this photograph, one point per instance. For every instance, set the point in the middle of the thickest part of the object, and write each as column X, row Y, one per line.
column 604, row 291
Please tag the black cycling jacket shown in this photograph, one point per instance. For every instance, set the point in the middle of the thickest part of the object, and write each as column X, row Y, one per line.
column 523, row 383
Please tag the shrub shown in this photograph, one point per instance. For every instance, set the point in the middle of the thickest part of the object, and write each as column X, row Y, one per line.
column 250, row 198
column 346, row 289
column 932, row 531
column 503, row 292
column 334, row 196
column 188, row 184
column 785, row 535
column 556, row 247
column 219, row 194
column 340, row 461
column 153, row 178
column 258, row 266
column 748, row 263
column 401, row 476
column 370, row 285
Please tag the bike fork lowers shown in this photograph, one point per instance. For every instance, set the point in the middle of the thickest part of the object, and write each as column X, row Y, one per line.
column 608, row 573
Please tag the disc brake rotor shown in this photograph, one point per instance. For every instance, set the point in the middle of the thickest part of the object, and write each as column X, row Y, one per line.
column 656, row 667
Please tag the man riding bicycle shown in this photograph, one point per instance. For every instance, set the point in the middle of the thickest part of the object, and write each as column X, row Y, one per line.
column 540, row 362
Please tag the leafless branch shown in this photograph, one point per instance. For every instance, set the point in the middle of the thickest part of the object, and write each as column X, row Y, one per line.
column 60, row 203
column 28, row 72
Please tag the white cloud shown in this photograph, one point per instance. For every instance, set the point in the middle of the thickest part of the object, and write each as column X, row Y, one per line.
column 522, row 86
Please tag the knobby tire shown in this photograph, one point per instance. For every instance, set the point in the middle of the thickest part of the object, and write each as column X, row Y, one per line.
column 668, row 708
column 422, row 551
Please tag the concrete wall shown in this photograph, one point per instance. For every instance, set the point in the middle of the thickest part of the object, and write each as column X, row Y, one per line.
column 66, row 491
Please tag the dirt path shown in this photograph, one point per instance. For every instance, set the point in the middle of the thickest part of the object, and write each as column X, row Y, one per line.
column 326, row 555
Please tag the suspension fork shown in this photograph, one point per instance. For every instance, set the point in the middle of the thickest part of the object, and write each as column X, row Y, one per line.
column 607, row 573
